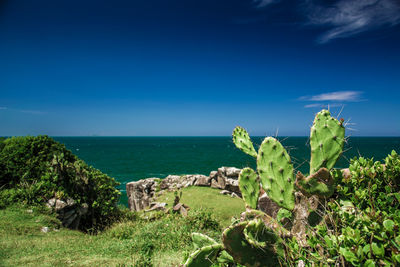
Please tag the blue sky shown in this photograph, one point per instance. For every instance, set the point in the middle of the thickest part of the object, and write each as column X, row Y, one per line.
column 186, row 67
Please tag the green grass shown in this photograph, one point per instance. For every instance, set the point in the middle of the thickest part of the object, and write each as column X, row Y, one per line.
column 163, row 239
column 224, row 207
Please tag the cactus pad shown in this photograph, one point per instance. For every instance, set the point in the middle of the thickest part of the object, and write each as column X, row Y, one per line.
column 258, row 235
column 242, row 141
column 206, row 256
column 200, row 240
column 326, row 140
column 320, row 183
column 249, row 187
column 276, row 172
column 242, row 252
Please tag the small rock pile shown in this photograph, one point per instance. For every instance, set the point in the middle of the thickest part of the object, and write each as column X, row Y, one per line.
column 68, row 211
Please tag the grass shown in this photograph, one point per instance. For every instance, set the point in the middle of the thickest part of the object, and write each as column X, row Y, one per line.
column 147, row 239
column 224, row 207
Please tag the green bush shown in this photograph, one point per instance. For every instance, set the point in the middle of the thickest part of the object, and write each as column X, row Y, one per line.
column 35, row 169
column 362, row 222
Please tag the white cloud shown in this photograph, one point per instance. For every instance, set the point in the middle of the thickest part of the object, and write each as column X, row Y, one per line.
column 35, row 112
column 350, row 17
column 264, row 3
column 348, row 96
column 319, row 105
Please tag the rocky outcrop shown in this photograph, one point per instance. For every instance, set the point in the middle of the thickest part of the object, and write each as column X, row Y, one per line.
column 142, row 193
column 68, row 211
column 226, row 178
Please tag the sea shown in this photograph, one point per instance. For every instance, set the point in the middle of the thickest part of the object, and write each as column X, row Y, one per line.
column 130, row 159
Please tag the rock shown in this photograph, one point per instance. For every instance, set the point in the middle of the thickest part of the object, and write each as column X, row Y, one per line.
column 60, row 205
column 234, row 195
column 232, row 172
column 233, row 186
column 157, row 206
column 140, row 193
column 68, row 211
column 225, row 192
column 346, row 173
column 266, row 205
column 45, row 229
column 202, row 180
column 214, row 184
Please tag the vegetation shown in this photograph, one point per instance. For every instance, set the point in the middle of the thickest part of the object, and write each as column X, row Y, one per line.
column 328, row 218
column 35, row 169
column 139, row 239
column 332, row 219
column 223, row 207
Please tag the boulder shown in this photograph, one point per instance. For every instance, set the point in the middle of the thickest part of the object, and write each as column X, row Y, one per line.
column 68, row 211
column 202, row 180
column 141, row 193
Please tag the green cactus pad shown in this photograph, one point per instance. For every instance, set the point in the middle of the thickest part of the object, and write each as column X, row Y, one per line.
column 276, row 172
column 249, row 187
column 200, row 240
column 225, row 258
column 258, row 235
column 242, row 141
column 326, row 141
column 320, row 183
column 242, row 252
column 206, row 256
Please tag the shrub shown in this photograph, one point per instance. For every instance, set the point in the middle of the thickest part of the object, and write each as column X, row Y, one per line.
column 362, row 222
column 35, row 169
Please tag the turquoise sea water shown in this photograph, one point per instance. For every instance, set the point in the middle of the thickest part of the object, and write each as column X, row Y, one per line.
column 133, row 158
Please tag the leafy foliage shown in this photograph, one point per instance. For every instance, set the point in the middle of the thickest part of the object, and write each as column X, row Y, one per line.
column 35, row 169
column 361, row 226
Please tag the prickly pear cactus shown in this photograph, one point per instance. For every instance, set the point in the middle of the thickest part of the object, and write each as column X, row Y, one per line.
column 242, row 141
column 200, row 240
column 243, row 252
column 326, row 140
column 258, row 235
column 320, row 183
column 276, row 172
column 203, row 257
column 249, row 187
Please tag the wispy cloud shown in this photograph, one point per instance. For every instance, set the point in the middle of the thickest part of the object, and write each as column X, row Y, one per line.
column 35, row 112
column 346, row 96
column 264, row 3
column 349, row 17
column 320, row 105
column 28, row 111
column 345, row 18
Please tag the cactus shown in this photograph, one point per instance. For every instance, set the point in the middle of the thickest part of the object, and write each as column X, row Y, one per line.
column 242, row 141
column 326, row 140
column 249, row 187
column 257, row 239
column 203, row 257
column 243, row 252
column 200, row 240
column 276, row 172
column 320, row 183
column 258, row 235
